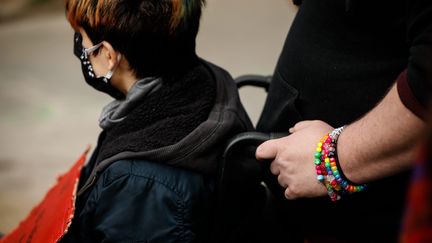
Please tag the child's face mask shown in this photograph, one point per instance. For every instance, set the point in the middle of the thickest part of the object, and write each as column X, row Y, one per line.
column 102, row 83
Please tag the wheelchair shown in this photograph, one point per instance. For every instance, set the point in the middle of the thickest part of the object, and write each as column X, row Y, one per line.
column 242, row 196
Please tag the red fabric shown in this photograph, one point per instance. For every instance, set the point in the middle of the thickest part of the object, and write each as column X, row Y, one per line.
column 407, row 97
column 50, row 220
column 417, row 226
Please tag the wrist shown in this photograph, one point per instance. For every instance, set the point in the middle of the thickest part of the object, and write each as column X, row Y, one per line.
column 348, row 157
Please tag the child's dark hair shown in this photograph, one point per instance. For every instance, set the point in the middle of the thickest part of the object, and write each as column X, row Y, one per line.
column 156, row 36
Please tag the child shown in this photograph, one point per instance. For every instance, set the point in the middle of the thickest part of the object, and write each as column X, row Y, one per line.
column 152, row 174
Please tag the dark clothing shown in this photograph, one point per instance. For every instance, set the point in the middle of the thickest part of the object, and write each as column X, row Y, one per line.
column 419, row 35
column 337, row 63
column 152, row 176
column 141, row 201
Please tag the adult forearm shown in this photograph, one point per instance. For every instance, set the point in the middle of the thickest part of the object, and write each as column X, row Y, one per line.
column 382, row 143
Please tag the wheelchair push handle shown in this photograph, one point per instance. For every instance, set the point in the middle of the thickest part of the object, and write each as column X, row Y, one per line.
column 236, row 144
column 249, row 138
column 254, row 80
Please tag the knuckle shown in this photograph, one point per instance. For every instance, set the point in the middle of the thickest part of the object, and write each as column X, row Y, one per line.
column 315, row 122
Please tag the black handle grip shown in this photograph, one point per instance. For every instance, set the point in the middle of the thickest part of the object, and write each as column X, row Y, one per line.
column 239, row 143
column 254, row 80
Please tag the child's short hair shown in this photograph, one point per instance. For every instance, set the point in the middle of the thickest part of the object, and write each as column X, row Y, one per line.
column 156, row 36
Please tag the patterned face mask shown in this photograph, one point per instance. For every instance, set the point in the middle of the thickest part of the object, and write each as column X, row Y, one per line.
column 102, row 83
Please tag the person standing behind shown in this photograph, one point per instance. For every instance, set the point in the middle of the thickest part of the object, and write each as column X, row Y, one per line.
column 340, row 58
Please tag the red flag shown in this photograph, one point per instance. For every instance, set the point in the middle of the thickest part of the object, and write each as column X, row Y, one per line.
column 50, row 220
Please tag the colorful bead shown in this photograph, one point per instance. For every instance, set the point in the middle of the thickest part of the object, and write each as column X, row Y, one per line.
column 327, row 169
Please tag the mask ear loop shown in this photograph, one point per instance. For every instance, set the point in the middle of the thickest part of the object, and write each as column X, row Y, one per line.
column 109, row 75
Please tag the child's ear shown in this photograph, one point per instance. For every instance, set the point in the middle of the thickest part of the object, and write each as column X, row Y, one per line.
column 111, row 55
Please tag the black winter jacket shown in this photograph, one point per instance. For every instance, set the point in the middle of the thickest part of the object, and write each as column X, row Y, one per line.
column 152, row 177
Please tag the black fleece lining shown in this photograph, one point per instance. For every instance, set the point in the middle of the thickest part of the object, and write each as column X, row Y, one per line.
column 165, row 117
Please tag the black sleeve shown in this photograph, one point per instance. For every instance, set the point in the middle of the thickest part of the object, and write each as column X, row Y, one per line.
column 419, row 34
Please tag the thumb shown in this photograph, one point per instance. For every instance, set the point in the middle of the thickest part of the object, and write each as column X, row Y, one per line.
column 267, row 150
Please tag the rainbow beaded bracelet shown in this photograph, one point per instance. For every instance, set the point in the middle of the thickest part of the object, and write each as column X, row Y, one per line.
column 328, row 170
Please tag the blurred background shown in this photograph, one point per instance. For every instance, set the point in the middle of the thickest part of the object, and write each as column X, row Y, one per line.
column 48, row 115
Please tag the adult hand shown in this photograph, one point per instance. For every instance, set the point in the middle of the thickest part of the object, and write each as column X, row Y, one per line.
column 293, row 159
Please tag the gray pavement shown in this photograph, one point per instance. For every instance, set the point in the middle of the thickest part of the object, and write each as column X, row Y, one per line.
column 48, row 115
